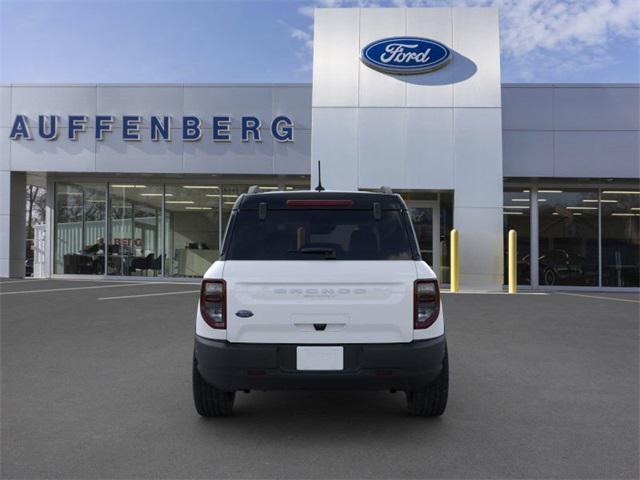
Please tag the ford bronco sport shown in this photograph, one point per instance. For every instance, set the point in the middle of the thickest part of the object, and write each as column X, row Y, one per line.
column 320, row 290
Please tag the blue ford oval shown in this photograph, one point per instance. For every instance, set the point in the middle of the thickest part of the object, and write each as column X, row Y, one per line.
column 405, row 55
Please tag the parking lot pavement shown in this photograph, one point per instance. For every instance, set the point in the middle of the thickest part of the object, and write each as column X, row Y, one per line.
column 542, row 386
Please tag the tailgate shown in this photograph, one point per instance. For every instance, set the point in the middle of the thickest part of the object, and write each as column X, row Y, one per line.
column 320, row 302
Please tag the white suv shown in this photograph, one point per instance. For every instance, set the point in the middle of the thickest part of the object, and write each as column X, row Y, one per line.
column 320, row 290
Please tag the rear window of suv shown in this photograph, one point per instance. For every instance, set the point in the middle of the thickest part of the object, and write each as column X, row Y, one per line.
column 303, row 234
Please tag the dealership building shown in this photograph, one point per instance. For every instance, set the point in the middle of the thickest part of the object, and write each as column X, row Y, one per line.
column 141, row 178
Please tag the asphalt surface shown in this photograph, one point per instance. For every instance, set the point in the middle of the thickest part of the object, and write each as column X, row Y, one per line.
column 542, row 386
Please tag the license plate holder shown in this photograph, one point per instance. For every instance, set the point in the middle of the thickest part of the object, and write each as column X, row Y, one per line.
column 320, row 358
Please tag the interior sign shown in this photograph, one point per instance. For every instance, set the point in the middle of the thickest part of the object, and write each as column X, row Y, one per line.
column 405, row 55
column 158, row 127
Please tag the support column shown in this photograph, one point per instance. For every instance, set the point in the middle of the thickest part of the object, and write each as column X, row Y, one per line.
column 534, row 255
column 477, row 213
column 12, row 223
column 481, row 247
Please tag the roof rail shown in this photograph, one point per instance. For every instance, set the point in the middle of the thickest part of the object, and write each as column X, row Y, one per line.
column 254, row 189
column 384, row 189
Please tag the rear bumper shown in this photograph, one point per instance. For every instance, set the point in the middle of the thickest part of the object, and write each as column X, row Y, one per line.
column 396, row 366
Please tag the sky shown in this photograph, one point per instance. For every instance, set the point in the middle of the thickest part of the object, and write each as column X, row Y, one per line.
column 212, row 41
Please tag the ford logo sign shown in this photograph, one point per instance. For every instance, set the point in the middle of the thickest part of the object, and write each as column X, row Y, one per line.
column 244, row 313
column 405, row 55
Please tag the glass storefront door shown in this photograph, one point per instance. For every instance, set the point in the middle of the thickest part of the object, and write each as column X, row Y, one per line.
column 425, row 215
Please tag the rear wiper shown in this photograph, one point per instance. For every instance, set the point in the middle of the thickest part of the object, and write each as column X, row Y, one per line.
column 329, row 253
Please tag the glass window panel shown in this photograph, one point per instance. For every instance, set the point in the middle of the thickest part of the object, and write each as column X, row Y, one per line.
column 68, row 226
column 135, row 215
column 568, row 237
column 270, row 187
column 229, row 195
column 620, row 238
column 517, row 216
column 79, row 228
column 191, row 229
column 296, row 187
column 299, row 234
column 413, row 195
column 422, row 219
column 446, row 225
column 94, row 226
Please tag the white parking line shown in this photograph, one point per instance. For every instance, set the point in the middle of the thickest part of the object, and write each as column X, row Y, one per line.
column 599, row 297
column 47, row 290
column 25, row 280
column 148, row 295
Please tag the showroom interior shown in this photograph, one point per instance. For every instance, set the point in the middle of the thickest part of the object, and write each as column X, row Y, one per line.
column 587, row 232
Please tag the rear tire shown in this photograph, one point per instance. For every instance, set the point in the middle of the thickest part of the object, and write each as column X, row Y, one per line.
column 210, row 401
column 432, row 401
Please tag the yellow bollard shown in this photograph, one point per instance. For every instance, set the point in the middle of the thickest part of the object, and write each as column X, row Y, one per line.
column 513, row 272
column 455, row 262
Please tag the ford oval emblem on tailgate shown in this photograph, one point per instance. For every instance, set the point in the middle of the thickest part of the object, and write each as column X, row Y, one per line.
column 244, row 313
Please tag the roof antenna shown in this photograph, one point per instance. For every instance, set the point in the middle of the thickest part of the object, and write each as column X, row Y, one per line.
column 319, row 188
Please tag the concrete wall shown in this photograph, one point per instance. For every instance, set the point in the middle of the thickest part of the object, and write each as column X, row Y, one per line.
column 571, row 130
column 12, row 223
column 113, row 154
column 548, row 130
column 439, row 130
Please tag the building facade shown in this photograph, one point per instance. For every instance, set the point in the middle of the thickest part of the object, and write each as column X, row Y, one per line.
column 141, row 178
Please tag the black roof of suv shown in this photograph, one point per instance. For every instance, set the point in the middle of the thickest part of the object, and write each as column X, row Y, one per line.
column 277, row 200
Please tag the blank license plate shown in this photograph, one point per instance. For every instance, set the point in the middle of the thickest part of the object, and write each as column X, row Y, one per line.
column 320, row 358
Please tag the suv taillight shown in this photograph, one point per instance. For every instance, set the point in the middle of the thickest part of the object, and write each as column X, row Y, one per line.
column 426, row 304
column 213, row 300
